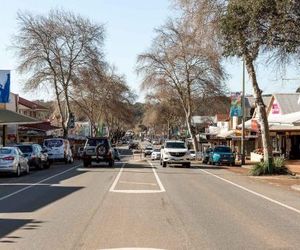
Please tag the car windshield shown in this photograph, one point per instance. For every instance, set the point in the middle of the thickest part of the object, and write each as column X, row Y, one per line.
column 53, row 143
column 25, row 148
column 192, row 151
column 222, row 150
column 148, row 148
column 156, row 150
column 175, row 145
column 6, row 151
column 95, row 142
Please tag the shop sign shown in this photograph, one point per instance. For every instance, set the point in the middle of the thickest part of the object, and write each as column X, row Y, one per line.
column 4, row 86
column 275, row 109
column 236, row 104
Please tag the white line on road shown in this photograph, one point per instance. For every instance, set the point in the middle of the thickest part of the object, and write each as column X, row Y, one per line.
column 130, row 191
column 37, row 183
column 138, row 183
column 255, row 193
column 112, row 188
column 157, row 178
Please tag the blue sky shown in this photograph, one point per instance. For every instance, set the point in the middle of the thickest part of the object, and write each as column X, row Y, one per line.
column 129, row 31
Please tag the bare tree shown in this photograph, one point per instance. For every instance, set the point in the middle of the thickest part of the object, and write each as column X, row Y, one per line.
column 103, row 97
column 179, row 61
column 53, row 48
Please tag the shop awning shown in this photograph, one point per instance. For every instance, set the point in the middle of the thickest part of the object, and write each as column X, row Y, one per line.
column 8, row 117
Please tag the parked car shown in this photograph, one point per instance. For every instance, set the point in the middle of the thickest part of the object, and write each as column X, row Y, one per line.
column 206, row 155
column 98, row 149
column 58, row 149
column 13, row 161
column 155, row 154
column 36, row 156
column 148, row 150
column 222, row 155
column 133, row 145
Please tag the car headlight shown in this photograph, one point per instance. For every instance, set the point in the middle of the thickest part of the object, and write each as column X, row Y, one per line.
column 167, row 153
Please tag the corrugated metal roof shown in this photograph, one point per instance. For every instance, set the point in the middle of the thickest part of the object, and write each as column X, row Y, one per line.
column 289, row 103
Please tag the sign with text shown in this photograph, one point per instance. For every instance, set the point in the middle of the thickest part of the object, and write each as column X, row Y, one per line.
column 4, row 86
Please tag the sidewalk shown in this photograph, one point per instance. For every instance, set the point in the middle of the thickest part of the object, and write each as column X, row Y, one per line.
column 292, row 165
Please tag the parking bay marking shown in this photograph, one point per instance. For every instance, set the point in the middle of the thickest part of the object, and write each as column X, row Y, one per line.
column 37, row 183
column 161, row 187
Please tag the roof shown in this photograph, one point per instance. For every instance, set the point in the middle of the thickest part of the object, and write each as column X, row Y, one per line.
column 202, row 119
column 222, row 117
column 8, row 117
column 289, row 103
column 250, row 100
column 43, row 126
column 30, row 104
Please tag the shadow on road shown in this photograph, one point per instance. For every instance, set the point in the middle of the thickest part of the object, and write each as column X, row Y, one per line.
column 7, row 226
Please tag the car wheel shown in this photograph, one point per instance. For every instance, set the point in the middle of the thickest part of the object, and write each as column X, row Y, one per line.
column 187, row 165
column 18, row 171
column 39, row 164
column 27, row 169
column 47, row 164
column 164, row 164
column 86, row 164
column 111, row 163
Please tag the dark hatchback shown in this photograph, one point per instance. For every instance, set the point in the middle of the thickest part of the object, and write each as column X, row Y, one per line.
column 221, row 155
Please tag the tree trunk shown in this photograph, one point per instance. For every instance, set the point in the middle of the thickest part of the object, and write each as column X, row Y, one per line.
column 262, row 115
column 189, row 125
column 65, row 129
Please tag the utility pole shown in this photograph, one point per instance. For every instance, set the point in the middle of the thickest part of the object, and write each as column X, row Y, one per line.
column 243, row 117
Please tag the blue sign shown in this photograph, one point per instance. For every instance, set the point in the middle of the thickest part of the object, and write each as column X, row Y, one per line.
column 4, row 86
column 236, row 106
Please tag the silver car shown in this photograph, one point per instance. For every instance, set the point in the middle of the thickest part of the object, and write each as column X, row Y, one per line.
column 13, row 161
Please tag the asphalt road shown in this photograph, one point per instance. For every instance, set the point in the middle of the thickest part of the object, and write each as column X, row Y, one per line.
column 139, row 204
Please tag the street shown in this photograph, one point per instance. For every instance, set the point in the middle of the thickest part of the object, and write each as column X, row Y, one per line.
column 139, row 204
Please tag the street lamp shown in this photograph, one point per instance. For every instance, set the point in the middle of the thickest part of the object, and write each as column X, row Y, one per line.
column 243, row 117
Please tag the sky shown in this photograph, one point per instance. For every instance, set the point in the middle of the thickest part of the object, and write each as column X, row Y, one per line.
column 129, row 26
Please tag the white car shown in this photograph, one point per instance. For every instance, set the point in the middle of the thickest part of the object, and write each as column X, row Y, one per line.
column 155, row 154
column 58, row 150
column 148, row 150
column 12, row 160
column 175, row 152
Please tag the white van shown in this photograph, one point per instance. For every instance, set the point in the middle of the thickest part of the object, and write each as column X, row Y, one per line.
column 58, row 149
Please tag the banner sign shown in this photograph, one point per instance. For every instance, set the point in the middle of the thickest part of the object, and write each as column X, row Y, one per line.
column 236, row 104
column 4, row 86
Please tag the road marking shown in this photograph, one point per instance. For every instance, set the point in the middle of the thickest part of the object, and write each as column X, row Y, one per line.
column 37, row 183
column 132, row 248
column 157, row 178
column 133, row 191
column 112, row 188
column 255, row 193
column 138, row 183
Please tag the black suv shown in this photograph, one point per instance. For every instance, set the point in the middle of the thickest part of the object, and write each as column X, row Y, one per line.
column 37, row 157
column 98, row 149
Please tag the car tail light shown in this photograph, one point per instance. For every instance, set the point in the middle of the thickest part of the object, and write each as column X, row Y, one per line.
column 9, row 158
